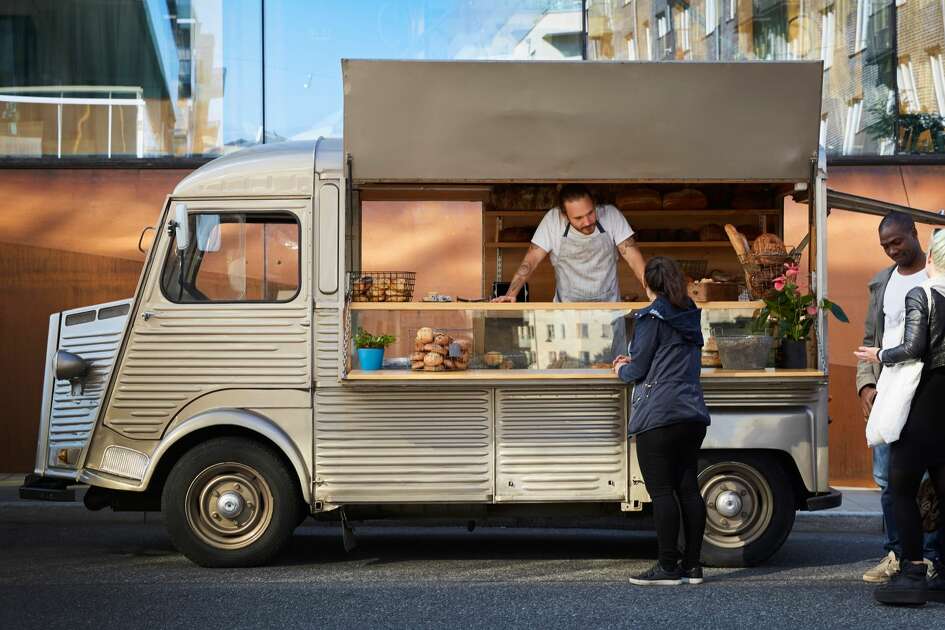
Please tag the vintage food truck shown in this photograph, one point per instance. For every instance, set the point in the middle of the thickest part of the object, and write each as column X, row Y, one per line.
column 227, row 392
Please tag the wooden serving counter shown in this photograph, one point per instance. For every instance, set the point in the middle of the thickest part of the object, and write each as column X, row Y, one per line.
column 531, row 306
column 562, row 375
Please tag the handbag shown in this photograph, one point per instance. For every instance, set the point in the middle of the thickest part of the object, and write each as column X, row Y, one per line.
column 894, row 392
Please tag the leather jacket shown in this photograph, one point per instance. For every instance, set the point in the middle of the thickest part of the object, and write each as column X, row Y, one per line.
column 924, row 335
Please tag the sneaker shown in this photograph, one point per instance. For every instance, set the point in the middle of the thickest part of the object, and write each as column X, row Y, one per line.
column 935, row 581
column 883, row 571
column 906, row 588
column 692, row 575
column 659, row 576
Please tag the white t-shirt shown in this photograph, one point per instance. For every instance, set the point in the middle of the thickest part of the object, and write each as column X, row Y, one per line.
column 894, row 304
column 551, row 229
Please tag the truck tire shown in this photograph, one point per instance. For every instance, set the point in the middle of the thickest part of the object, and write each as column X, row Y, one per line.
column 231, row 502
column 749, row 509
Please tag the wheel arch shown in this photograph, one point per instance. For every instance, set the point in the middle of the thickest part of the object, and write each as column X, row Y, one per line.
column 226, row 423
column 782, row 458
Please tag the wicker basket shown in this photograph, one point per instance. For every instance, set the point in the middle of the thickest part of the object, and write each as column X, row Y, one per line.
column 381, row 286
column 762, row 269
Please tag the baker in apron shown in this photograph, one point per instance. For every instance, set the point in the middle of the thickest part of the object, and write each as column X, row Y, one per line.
column 584, row 240
column 586, row 267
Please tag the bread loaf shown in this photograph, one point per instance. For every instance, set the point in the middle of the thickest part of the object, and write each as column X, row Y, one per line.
column 685, row 199
column 638, row 199
column 768, row 244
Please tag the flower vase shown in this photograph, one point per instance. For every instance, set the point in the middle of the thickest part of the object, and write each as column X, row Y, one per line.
column 794, row 354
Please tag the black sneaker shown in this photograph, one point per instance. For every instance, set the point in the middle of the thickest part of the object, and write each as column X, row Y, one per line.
column 692, row 575
column 659, row 576
column 935, row 591
column 907, row 588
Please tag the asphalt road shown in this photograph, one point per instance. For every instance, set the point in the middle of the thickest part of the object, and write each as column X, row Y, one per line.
column 66, row 573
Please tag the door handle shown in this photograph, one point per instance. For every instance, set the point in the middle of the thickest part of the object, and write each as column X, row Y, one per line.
column 147, row 315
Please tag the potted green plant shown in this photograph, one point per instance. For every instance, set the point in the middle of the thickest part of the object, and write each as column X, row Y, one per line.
column 371, row 348
column 789, row 313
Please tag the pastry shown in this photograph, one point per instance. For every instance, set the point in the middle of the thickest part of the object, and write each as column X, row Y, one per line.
column 442, row 340
column 437, row 348
column 449, row 364
column 417, row 356
column 425, row 335
column 416, row 365
column 433, row 359
column 400, row 284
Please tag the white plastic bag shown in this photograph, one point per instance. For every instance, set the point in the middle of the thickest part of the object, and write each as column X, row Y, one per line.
column 894, row 393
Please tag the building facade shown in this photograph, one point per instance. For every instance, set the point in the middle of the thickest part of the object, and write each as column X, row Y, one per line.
column 106, row 104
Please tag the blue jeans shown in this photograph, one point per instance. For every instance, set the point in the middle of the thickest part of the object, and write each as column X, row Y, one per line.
column 931, row 541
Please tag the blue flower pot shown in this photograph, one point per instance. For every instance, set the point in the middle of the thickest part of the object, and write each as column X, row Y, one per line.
column 371, row 358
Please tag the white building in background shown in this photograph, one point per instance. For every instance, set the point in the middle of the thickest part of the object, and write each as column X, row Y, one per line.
column 556, row 35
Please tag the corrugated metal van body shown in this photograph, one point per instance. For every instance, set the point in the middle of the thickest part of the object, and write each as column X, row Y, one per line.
column 403, row 445
column 561, row 444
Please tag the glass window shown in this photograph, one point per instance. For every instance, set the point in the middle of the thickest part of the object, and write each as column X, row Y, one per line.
column 863, row 12
column 827, row 32
column 236, row 257
column 938, row 80
column 711, row 16
column 139, row 79
column 908, row 97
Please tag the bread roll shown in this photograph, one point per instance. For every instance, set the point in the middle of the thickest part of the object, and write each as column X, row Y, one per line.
column 416, row 365
column 382, row 283
column 437, row 348
column 417, row 356
column 433, row 359
column 449, row 364
column 464, row 344
column 425, row 335
column 442, row 340
column 400, row 284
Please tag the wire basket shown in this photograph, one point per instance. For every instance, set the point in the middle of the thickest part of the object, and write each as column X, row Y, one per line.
column 381, row 286
column 694, row 269
column 761, row 270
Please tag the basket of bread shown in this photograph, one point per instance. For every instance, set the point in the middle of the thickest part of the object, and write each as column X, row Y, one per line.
column 436, row 351
column 381, row 286
column 763, row 260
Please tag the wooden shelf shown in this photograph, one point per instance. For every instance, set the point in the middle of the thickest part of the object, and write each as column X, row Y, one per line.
column 538, row 375
column 648, row 245
column 530, row 306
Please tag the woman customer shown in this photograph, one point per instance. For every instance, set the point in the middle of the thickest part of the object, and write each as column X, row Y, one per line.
column 921, row 445
column 668, row 416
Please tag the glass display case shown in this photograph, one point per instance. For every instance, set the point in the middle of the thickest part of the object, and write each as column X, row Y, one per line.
column 485, row 340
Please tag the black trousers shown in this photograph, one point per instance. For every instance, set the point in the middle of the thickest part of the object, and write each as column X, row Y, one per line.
column 919, row 449
column 669, row 461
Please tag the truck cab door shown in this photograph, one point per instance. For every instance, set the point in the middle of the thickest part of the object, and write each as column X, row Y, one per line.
column 228, row 310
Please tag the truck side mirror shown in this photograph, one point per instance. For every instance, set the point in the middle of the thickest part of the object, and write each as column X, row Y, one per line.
column 181, row 227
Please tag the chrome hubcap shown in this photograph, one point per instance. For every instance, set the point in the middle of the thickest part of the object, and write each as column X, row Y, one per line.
column 739, row 504
column 229, row 505
column 728, row 504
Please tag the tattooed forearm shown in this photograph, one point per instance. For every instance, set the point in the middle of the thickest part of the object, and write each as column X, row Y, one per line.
column 533, row 256
column 630, row 252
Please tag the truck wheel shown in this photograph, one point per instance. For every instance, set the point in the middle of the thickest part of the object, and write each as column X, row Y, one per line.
column 749, row 509
column 230, row 502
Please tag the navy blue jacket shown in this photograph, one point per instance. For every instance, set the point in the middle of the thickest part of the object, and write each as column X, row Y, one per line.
column 665, row 367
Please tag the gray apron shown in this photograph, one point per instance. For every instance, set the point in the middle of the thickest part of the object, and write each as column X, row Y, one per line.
column 586, row 267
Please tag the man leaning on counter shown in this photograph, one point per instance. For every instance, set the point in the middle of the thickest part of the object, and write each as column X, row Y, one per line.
column 583, row 239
